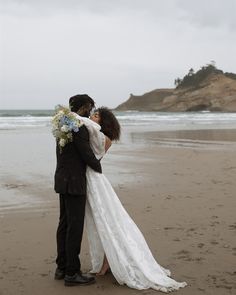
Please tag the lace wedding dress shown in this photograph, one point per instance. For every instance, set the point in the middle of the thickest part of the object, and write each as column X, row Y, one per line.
column 111, row 231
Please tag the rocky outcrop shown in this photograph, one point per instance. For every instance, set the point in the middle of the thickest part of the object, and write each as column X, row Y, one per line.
column 217, row 92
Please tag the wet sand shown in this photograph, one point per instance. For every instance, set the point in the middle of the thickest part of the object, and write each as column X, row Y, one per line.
column 181, row 196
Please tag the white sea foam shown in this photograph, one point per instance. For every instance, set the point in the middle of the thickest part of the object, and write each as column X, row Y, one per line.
column 23, row 122
column 171, row 121
column 162, row 121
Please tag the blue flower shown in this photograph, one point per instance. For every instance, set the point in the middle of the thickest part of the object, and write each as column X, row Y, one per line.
column 75, row 128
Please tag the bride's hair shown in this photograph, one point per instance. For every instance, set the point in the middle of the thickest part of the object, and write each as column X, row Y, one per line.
column 109, row 124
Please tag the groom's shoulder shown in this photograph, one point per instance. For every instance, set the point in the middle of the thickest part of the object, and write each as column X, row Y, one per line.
column 82, row 132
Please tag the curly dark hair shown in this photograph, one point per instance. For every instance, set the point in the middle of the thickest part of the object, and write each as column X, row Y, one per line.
column 109, row 123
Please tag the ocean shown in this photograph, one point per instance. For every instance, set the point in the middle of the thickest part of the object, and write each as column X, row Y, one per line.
column 25, row 119
column 28, row 148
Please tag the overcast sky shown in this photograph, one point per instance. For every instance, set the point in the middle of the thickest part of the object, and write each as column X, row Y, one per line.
column 53, row 49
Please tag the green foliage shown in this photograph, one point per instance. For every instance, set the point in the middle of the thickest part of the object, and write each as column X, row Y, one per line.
column 194, row 80
column 231, row 75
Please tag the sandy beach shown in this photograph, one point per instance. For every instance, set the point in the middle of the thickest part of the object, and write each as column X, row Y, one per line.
column 178, row 187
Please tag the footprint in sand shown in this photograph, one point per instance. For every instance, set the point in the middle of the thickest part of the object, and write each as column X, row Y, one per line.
column 191, row 231
column 168, row 228
column 7, row 231
column 200, row 245
column 13, row 186
column 172, row 227
column 213, row 242
column 22, row 268
column 188, row 197
column 211, row 278
column 216, row 181
column 169, row 197
column 224, row 284
column 226, row 246
column 214, row 223
column 231, row 273
column 198, row 259
column 234, row 253
column 229, row 168
column 214, row 216
column 148, row 208
column 187, row 256
column 232, row 226
column 183, row 254
column 176, row 240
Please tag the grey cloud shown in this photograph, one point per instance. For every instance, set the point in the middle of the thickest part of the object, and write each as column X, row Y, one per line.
column 206, row 13
column 154, row 8
column 210, row 13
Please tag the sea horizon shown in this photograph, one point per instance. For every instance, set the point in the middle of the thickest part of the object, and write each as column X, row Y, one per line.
column 11, row 119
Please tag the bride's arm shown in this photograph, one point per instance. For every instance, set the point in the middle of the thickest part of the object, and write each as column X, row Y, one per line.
column 99, row 142
column 107, row 143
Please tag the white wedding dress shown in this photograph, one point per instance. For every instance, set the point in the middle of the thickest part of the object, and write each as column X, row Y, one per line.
column 111, row 231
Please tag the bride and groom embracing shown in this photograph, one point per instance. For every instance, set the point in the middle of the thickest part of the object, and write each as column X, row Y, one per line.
column 115, row 242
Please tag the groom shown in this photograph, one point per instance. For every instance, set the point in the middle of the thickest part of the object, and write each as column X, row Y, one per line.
column 70, row 183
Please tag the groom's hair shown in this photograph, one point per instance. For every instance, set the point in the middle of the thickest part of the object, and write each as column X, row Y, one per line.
column 80, row 100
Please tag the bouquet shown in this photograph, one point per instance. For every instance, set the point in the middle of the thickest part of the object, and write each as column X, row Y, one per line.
column 63, row 123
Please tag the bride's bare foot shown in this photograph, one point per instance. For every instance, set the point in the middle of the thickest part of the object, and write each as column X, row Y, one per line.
column 105, row 268
column 103, row 271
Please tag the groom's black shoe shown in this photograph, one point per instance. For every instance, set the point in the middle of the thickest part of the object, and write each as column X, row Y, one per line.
column 78, row 280
column 59, row 274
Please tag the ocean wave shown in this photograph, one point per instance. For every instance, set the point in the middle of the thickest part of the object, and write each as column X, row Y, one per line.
column 129, row 118
column 26, row 113
column 184, row 117
column 24, row 122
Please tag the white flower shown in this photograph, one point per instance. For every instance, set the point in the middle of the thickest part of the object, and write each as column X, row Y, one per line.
column 56, row 133
column 69, row 135
column 65, row 128
column 63, row 133
column 62, row 142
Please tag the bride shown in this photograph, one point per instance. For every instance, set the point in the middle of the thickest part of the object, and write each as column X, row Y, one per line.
column 115, row 241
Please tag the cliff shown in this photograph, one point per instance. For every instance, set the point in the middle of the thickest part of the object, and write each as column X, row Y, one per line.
column 208, row 89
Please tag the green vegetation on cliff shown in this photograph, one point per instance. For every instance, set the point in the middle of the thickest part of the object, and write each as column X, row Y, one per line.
column 208, row 89
column 194, row 80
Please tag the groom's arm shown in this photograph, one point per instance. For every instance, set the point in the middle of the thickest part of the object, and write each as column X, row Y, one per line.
column 81, row 140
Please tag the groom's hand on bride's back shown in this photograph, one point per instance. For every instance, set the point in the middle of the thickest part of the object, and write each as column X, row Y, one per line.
column 81, row 141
